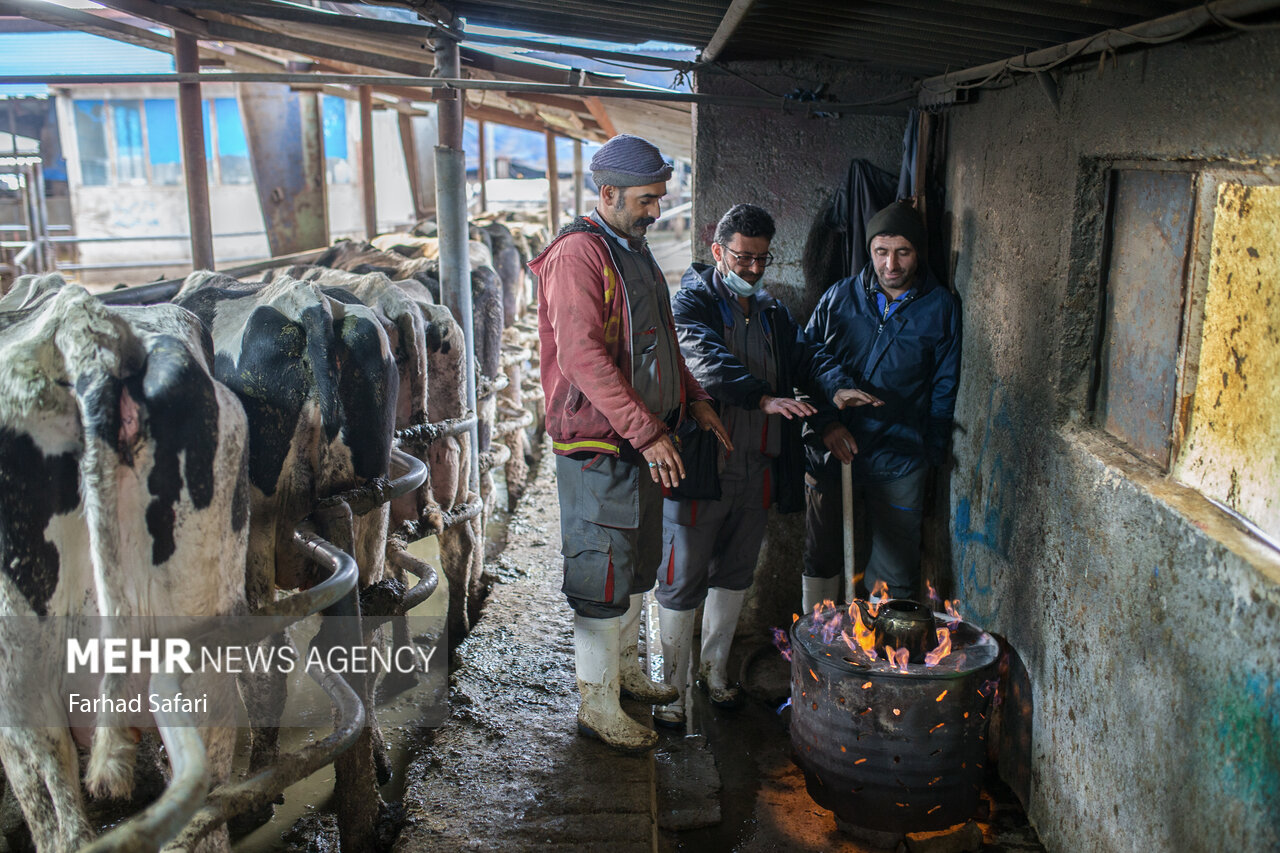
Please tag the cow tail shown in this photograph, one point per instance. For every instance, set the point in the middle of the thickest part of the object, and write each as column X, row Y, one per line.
column 108, row 417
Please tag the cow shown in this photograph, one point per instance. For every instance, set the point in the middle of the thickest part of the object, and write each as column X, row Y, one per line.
column 319, row 384
column 123, row 514
column 443, row 397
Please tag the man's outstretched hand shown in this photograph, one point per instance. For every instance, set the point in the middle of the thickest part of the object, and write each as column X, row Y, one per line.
column 848, row 397
column 786, row 406
column 706, row 417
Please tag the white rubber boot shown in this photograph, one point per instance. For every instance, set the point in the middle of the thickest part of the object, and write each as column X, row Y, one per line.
column 814, row 591
column 636, row 683
column 595, row 645
column 677, row 641
column 719, row 621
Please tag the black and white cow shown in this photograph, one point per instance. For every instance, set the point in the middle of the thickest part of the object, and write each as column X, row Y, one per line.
column 123, row 514
column 319, row 386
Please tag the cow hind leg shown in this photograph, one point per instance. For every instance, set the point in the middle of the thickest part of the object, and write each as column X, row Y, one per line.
column 44, row 775
column 111, row 760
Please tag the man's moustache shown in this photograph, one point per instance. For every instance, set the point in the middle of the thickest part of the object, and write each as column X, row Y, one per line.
column 645, row 221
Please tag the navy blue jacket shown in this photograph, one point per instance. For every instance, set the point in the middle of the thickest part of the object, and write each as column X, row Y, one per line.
column 911, row 361
column 701, row 319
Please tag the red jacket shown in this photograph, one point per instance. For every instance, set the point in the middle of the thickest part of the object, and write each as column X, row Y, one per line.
column 584, row 329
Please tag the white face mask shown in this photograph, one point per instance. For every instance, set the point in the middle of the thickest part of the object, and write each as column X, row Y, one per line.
column 740, row 285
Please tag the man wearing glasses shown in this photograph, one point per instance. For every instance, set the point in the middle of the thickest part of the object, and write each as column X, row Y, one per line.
column 896, row 329
column 745, row 350
column 615, row 386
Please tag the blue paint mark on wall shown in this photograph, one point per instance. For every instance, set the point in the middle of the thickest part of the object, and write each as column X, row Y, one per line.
column 1248, row 734
column 985, row 530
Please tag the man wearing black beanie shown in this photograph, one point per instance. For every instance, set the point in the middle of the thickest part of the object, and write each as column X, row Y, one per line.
column 895, row 329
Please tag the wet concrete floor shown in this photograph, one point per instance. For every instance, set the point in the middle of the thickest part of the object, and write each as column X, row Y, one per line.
column 508, row 771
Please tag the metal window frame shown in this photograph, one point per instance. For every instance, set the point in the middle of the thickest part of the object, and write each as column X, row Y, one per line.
column 1208, row 175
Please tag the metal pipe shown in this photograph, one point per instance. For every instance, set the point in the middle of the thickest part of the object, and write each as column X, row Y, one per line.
column 514, row 88
column 553, row 185
column 376, row 492
column 451, row 220
column 1169, row 26
column 144, row 237
column 186, row 57
column 577, row 178
column 184, row 794
column 163, row 291
column 369, row 192
column 482, row 172
column 412, row 531
column 183, row 797
column 733, row 16
column 424, row 434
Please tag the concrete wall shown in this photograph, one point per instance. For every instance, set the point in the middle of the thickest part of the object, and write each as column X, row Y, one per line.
column 791, row 165
column 1146, row 619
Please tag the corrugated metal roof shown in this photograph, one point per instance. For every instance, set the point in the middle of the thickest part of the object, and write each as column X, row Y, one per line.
column 923, row 37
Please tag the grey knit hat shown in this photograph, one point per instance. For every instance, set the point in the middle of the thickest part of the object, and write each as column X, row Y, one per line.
column 628, row 161
column 902, row 220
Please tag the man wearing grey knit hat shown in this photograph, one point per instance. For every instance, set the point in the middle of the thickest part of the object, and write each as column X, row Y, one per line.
column 616, row 389
column 895, row 329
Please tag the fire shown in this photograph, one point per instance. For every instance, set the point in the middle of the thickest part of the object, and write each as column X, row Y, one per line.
column 782, row 642
column 941, row 696
column 879, row 595
column 934, row 598
column 953, row 612
column 898, row 658
column 941, row 650
column 863, row 634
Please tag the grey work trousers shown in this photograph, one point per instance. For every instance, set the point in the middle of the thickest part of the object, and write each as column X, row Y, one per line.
column 610, row 532
column 887, row 532
column 711, row 543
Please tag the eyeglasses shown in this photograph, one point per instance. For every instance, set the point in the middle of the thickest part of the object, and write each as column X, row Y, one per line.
column 744, row 260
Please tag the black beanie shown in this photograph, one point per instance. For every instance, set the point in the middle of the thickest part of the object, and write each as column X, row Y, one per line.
column 899, row 219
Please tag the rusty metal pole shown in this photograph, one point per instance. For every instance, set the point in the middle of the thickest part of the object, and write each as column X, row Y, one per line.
column 483, row 172
column 368, row 190
column 186, row 58
column 553, row 185
column 577, row 178
column 451, row 220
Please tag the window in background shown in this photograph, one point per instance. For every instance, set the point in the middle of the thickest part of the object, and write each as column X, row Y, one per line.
column 164, row 150
column 1232, row 450
column 131, row 167
column 334, row 117
column 1188, row 371
column 233, row 147
column 91, row 138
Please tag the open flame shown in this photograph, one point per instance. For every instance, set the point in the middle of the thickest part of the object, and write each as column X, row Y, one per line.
column 941, row 650
column 898, row 658
column 856, row 629
column 953, row 614
column 782, row 642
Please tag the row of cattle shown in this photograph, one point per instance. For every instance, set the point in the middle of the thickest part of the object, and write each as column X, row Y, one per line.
column 155, row 462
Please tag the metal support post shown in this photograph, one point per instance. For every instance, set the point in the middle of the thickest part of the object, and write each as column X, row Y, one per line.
column 186, row 57
column 577, row 178
column 483, row 172
column 553, row 186
column 451, row 220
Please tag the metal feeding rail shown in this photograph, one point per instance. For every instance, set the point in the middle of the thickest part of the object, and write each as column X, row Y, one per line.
column 183, row 811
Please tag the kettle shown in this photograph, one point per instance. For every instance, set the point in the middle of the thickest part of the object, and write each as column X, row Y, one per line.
column 902, row 623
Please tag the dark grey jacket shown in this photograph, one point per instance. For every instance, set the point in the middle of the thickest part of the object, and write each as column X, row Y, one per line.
column 701, row 319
